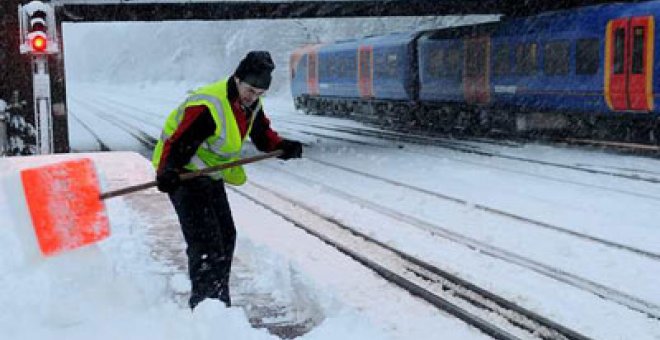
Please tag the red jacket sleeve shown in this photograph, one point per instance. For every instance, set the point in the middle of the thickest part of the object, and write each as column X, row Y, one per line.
column 196, row 126
column 262, row 135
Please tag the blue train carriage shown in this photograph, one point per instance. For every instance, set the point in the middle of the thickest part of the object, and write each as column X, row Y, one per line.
column 388, row 67
column 324, row 77
column 337, row 70
column 372, row 77
column 570, row 69
column 303, row 68
column 454, row 75
column 588, row 72
column 379, row 82
column 388, row 77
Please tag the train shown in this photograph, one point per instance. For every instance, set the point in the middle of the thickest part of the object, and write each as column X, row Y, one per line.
column 587, row 72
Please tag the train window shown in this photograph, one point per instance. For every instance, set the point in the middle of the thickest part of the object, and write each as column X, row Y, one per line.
column 392, row 64
column 556, row 58
column 332, row 67
column 326, row 67
column 343, row 67
column 444, row 63
column 638, row 50
column 587, row 56
column 350, row 66
column 452, row 66
column 386, row 65
column 526, row 59
column 520, row 50
column 501, row 65
column 436, row 60
column 619, row 50
column 379, row 66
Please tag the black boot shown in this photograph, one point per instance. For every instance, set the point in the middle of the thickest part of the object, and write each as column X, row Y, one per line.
column 194, row 300
column 224, row 296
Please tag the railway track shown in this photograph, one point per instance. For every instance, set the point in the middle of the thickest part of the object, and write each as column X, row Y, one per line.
column 622, row 298
column 111, row 106
column 495, row 211
column 147, row 141
column 97, row 139
column 492, row 314
column 634, row 147
column 467, row 148
column 108, row 101
column 516, row 170
column 142, row 96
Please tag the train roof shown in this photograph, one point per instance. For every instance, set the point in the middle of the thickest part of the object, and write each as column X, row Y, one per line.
column 400, row 38
column 456, row 32
column 305, row 49
column 577, row 19
column 580, row 19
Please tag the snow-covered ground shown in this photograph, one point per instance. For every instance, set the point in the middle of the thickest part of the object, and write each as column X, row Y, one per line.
column 118, row 290
column 132, row 285
column 337, row 296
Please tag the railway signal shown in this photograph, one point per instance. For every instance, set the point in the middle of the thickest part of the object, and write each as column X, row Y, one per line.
column 38, row 38
column 37, row 28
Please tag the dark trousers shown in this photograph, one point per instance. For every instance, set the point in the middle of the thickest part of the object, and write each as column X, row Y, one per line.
column 209, row 231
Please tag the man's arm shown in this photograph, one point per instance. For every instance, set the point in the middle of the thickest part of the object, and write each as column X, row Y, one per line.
column 262, row 135
column 196, row 126
column 266, row 140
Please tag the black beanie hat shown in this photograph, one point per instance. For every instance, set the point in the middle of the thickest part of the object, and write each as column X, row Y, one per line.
column 255, row 69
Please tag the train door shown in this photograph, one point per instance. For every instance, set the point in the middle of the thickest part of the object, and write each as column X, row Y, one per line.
column 475, row 77
column 629, row 64
column 313, row 72
column 365, row 71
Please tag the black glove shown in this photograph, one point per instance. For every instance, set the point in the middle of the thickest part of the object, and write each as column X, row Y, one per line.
column 168, row 180
column 291, row 148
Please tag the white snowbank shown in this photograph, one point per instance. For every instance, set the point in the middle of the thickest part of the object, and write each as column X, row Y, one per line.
column 113, row 290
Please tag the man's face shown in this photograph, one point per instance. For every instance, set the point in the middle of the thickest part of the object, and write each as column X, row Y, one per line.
column 247, row 93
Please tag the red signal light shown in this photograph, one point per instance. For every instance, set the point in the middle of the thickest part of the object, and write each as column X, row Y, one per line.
column 39, row 43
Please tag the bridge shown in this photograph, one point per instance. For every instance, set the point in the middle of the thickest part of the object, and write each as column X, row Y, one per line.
column 132, row 10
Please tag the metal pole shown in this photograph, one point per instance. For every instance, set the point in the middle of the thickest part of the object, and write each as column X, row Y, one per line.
column 4, row 121
column 42, row 108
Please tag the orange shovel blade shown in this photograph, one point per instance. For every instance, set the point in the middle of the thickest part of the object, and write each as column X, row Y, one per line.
column 63, row 200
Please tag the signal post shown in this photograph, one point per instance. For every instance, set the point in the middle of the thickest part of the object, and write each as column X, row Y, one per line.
column 32, row 70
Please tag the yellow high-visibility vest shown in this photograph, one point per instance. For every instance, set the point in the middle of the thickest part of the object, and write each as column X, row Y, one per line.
column 226, row 142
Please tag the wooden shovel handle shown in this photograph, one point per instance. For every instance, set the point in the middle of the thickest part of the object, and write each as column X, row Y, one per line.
column 190, row 175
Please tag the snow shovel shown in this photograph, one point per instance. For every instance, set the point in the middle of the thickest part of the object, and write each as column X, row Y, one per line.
column 66, row 206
